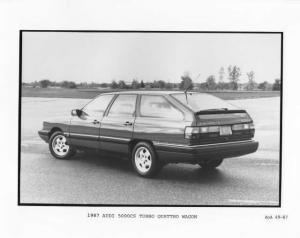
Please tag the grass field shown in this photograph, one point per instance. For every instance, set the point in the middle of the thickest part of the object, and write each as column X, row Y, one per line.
column 91, row 93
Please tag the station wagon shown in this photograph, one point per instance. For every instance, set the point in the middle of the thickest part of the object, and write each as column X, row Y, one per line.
column 154, row 128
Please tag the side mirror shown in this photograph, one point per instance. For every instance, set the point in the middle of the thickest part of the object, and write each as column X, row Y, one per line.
column 73, row 112
column 76, row 112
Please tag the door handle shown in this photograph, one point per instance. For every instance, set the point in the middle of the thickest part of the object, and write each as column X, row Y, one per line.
column 127, row 123
column 96, row 122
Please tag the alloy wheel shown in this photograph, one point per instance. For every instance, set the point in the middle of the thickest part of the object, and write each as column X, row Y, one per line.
column 142, row 159
column 59, row 145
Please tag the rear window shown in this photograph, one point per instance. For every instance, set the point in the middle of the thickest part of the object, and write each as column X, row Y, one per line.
column 202, row 101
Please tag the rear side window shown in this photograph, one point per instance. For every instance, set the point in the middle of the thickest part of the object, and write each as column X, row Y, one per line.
column 98, row 106
column 158, row 106
column 202, row 101
column 123, row 105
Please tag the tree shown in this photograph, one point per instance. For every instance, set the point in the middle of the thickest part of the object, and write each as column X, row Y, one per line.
column 68, row 84
column 221, row 75
column 224, row 86
column 276, row 85
column 251, row 82
column 35, row 84
column 142, row 84
column 203, row 86
column 135, row 84
column 103, row 85
column 263, row 85
column 114, row 84
column 72, row 84
column 154, row 84
column 169, row 85
column 234, row 75
column 122, row 84
column 186, row 81
column 161, row 84
column 211, row 82
column 45, row 83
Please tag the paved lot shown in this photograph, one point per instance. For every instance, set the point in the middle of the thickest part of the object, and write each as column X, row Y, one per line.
column 101, row 179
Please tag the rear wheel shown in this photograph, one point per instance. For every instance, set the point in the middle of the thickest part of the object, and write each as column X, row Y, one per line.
column 211, row 164
column 144, row 160
column 59, row 147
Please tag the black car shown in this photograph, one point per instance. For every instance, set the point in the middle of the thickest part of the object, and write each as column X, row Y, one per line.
column 155, row 128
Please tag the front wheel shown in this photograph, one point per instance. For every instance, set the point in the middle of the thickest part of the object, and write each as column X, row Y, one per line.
column 211, row 164
column 59, row 147
column 144, row 160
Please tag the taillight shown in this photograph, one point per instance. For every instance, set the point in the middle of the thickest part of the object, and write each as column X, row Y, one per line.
column 209, row 129
column 193, row 132
column 244, row 126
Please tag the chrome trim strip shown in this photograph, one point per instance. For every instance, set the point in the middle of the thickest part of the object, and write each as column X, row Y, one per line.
column 82, row 135
column 97, row 137
column 195, row 146
column 114, row 138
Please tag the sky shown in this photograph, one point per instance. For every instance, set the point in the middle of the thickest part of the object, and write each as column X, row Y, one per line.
column 103, row 57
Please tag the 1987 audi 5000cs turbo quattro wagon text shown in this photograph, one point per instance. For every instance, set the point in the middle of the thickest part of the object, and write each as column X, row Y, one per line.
column 155, row 128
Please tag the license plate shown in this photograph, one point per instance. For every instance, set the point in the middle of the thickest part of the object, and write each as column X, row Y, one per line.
column 225, row 130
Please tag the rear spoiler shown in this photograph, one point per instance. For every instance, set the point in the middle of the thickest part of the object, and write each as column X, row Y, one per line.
column 208, row 112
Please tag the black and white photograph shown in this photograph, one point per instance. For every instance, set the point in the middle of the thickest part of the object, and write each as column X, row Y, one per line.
column 150, row 118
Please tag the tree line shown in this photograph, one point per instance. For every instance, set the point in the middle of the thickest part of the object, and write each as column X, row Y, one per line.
column 211, row 83
column 45, row 83
column 234, row 73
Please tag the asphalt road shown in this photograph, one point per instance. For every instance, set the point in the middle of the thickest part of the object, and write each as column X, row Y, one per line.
column 101, row 179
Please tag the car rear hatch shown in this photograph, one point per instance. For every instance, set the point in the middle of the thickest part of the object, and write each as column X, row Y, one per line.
column 223, row 125
column 223, row 116
column 217, row 120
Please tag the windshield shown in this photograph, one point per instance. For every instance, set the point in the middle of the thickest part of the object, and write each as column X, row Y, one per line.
column 202, row 101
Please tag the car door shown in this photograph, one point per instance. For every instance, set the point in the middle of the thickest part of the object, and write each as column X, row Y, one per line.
column 117, row 125
column 85, row 130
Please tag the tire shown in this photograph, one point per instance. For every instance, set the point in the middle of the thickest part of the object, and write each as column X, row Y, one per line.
column 211, row 164
column 144, row 160
column 58, row 146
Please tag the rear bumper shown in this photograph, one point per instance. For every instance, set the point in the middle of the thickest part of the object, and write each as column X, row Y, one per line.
column 44, row 135
column 196, row 153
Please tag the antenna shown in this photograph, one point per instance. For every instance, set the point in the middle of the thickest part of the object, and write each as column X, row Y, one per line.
column 189, row 87
column 185, row 92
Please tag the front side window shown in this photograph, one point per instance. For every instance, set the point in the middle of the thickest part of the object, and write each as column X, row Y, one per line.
column 158, row 106
column 97, row 107
column 123, row 105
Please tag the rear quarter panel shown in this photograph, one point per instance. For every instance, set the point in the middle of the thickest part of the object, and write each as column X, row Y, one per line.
column 160, row 130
